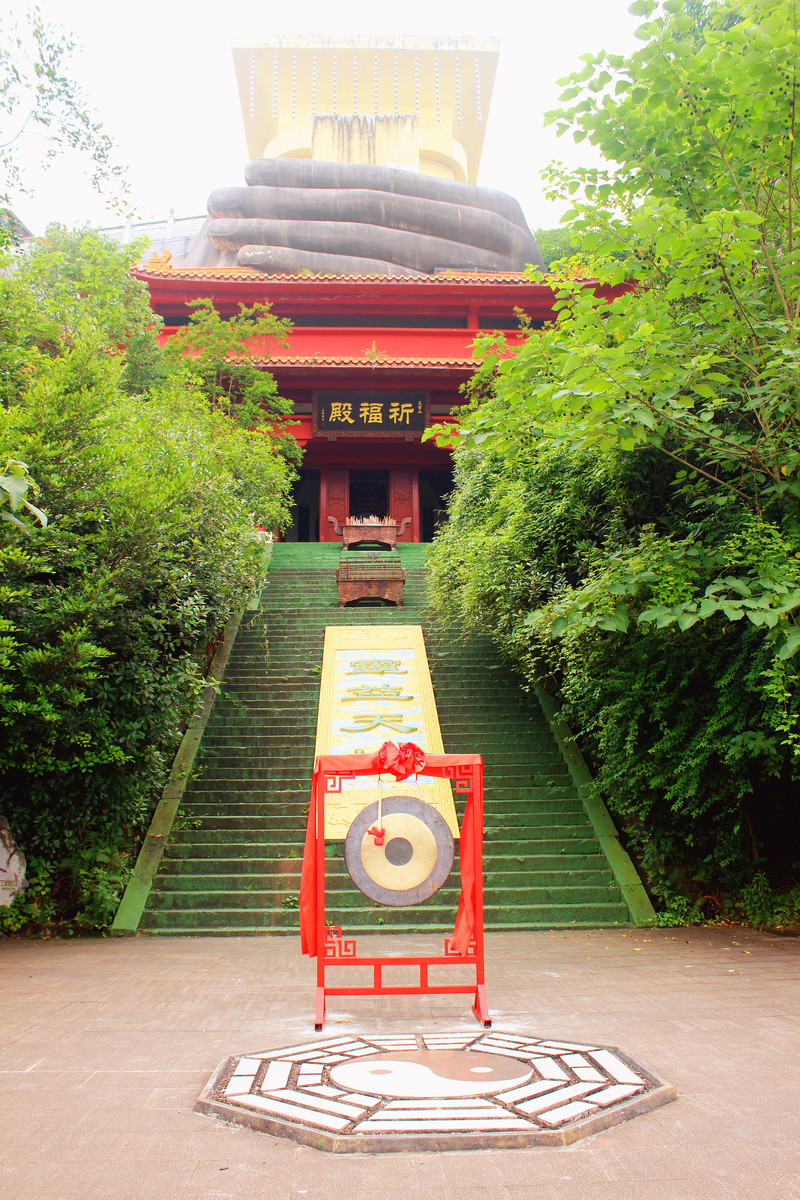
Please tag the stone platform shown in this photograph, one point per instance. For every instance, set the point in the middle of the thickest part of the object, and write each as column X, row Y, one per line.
column 432, row 1091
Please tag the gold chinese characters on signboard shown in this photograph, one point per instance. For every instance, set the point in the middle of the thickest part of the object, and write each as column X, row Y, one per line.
column 370, row 414
column 376, row 687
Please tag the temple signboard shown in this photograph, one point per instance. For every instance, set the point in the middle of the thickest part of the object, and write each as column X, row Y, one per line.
column 370, row 414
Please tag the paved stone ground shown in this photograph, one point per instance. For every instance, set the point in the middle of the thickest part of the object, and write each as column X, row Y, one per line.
column 105, row 1046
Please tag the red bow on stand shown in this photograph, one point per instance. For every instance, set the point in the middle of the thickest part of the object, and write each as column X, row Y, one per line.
column 401, row 761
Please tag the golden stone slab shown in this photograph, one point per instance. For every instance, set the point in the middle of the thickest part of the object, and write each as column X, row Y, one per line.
column 376, row 687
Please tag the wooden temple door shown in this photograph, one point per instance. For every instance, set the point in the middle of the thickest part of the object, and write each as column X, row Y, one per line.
column 333, row 501
column 404, row 502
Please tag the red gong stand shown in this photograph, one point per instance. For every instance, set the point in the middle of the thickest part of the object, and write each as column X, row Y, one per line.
column 333, row 949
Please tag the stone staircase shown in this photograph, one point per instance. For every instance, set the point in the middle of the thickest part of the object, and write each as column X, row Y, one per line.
column 233, row 862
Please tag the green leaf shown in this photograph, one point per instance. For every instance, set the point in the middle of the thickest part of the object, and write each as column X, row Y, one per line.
column 653, row 614
column 791, row 645
column 15, row 488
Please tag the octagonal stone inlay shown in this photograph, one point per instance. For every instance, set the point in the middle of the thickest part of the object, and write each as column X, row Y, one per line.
column 436, row 1091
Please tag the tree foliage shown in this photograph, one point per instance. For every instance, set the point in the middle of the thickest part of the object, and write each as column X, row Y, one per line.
column 670, row 627
column 218, row 356
column 110, row 612
column 554, row 244
column 40, row 99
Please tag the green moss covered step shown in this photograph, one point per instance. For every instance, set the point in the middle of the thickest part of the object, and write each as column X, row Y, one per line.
column 528, row 827
column 283, row 876
column 266, row 816
column 214, row 799
column 511, row 916
column 206, row 841
column 216, row 847
column 288, row 926
column 265, row 739
column 264, row 800
column 377, row 918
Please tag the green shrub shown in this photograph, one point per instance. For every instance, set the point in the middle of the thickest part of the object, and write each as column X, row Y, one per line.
column 109, row 613
column 689, row 733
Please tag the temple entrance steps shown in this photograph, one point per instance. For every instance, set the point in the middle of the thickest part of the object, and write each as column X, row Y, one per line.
column 234, row 858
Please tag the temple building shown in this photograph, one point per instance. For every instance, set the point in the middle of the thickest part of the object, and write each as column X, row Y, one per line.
column 361, row 223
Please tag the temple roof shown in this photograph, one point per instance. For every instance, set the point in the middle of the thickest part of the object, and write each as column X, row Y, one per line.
column 249, row 273
column 345, row 362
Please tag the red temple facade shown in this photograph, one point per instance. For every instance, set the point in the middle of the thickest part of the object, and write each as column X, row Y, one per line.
column 371, row 362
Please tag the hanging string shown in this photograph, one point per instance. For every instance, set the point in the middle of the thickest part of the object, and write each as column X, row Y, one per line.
column 376, row 831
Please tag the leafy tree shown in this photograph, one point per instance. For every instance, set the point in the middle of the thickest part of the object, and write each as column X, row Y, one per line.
column 554, row 244
column 75, row 286
column 38, row 97
column 692, row 589
column 216, row 354
column 108, row 614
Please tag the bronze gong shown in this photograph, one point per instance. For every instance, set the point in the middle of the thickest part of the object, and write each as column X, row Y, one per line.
column 414, row 860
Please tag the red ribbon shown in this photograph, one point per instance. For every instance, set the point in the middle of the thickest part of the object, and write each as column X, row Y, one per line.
column 401, row 761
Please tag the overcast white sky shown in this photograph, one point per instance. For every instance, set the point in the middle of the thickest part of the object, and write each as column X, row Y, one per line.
column 159, row 74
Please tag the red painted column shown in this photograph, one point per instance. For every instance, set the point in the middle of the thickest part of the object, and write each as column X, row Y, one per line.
column 404, row 501
column 333, row 500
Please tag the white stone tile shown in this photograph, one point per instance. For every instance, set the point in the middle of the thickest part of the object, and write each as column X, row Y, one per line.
column 547, row 1102
column 574, row 1060
column 357, row 1099
column 318, row 1103
column 615, row 1067
column 508, row 1051
column 308, row 1059
column 617, row 1091
column 394, row 1042
column 433, row 1126
column 435, row 1044
column 489, row 1114
column 450, row 1038
column 548, row 1068
column 392, row 1039
column 443, row 1104
column 239, row 1086
column 569, row 1112
column 549, row 1045
column 349, row 1046
column 397, row 1047
column 528, row 1090
column 277, row 1076
column 279, row 1108
column 589, row 1074
column 247, row 1066
column 499, row 1039
column 350, row 1099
